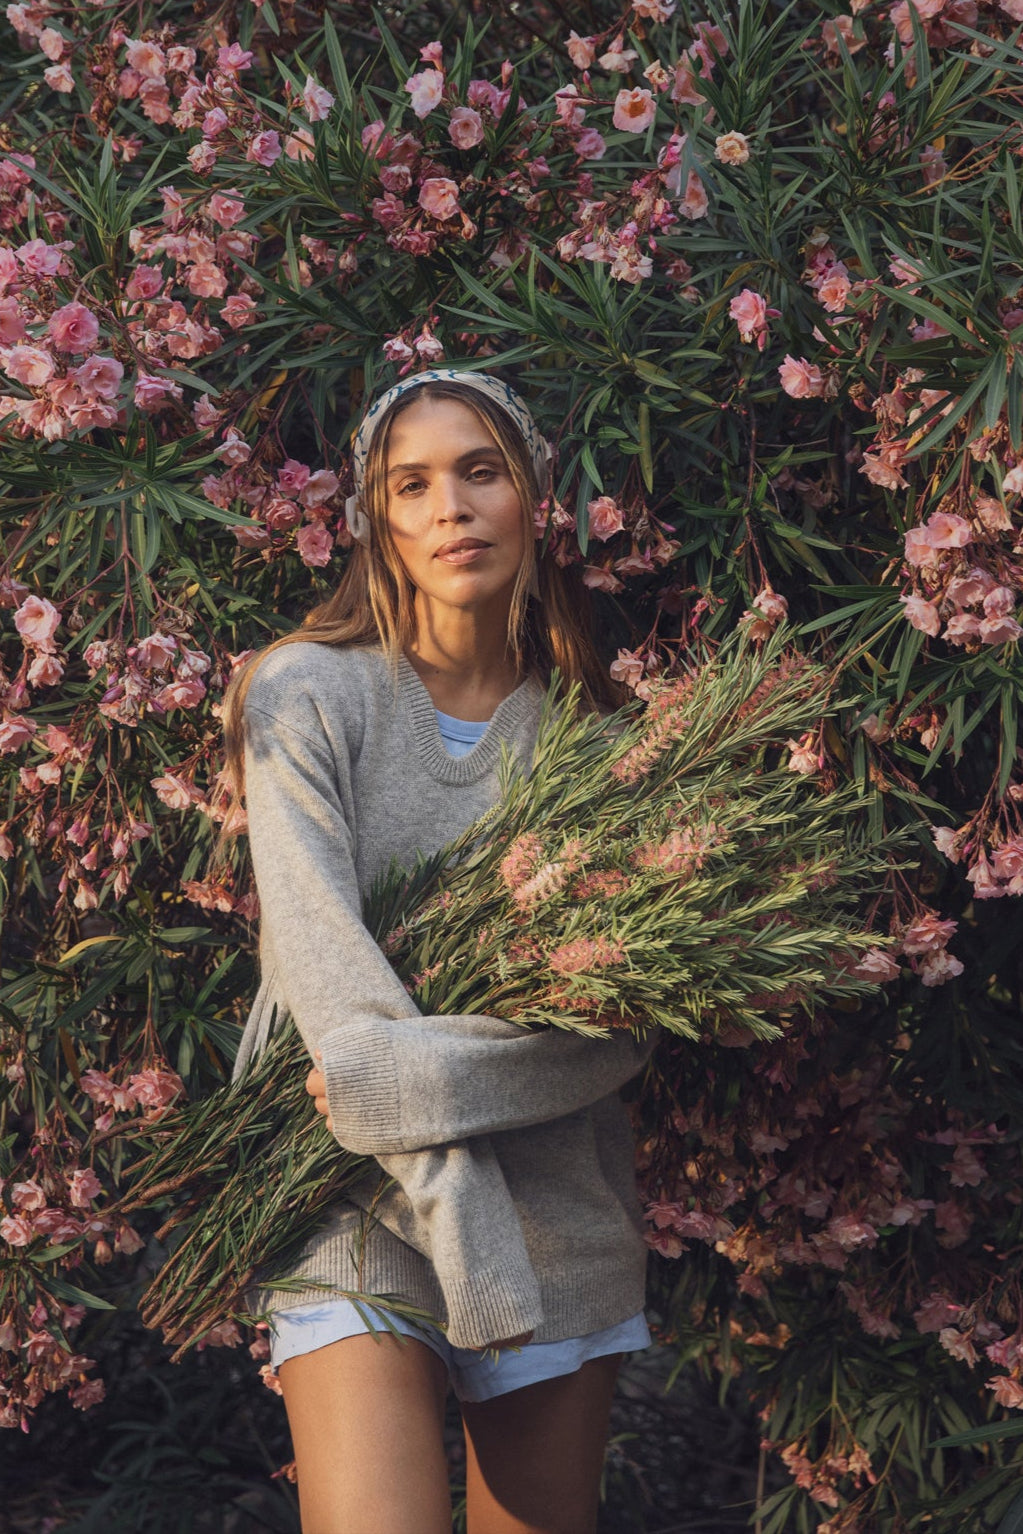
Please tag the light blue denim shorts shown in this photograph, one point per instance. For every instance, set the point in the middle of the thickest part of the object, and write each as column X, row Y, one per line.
column 474, row 1376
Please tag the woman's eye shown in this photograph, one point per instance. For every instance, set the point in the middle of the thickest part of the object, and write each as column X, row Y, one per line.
column 483, row 472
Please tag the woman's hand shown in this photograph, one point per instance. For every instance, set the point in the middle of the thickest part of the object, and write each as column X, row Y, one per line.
column 316, row 1086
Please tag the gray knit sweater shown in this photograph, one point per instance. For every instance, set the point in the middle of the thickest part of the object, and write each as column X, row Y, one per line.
column 512, row 1206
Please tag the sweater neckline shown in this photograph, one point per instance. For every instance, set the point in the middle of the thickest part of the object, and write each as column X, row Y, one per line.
column 511, row 712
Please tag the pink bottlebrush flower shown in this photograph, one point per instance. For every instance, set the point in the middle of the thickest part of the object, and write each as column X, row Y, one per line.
column 585, row 954
column 749, row 311
column 801, row 379
column 465, row 128
column 83, row 1187
column 239, row 310
column 605, row 517
column 921, row 614
column 29, row 365
column 877, row 965
column 315, row 544
column 438, row 196
column 265, row 148
column 74, row 328
column 37, row 621
column 634, row 110
column 156, row 1086
column 731, row 148
column 581, row 50
column 316, row 100
column 426, row 90
column 521, row 860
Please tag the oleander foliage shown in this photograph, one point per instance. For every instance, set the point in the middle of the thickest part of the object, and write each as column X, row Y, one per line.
column 758, row 269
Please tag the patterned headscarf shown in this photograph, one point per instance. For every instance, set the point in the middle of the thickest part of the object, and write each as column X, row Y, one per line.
column 485, row 383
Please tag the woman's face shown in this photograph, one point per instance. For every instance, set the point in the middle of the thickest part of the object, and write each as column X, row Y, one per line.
column 452, row 507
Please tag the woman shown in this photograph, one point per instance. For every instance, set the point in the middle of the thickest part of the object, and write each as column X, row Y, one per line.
column 508, row 1213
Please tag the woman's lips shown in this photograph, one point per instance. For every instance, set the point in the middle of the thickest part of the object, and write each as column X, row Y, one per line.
column 461, row 553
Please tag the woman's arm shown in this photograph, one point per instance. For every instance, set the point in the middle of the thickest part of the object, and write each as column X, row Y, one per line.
column 396, row 1080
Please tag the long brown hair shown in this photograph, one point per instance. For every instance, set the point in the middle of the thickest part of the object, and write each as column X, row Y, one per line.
column 374, row 603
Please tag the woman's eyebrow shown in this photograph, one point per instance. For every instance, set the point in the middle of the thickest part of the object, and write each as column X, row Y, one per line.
column 473, row 453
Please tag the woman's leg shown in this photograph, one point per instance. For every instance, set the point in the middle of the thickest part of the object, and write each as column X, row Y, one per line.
column 534, row 1456
column 367, row 1419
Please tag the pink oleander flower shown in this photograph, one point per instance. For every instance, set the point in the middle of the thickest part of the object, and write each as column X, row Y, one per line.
column 962, row 629
column 749, row 311
column 927, row 934
column 280, row 515
column 207, row 280
column 882, row 466
column 590, row 145
column 45, row 671
column 299, row 145
column 877, row 965
column 731, row 148
column 30, row 365
column 774, row 608
column 805, row 756
column 226, row 209
column 618, row 60
column 234, row 449
column 156, row 1086
column 438, row 196
column 694, row 201
column 40, row 259
column 605, row 517
column 12, row 325
column 921, row 614
column 999, row 630
column 37, row 621
column 426, row 90
column 151, row 392
column 851, row 1233
column 628, row 668
column 834, row 290
column 292, row 476
column 265, row 148
column 684, row 89
column 316, row 100
column 73, row 328
column 147, row 58
column 185, row 693
column 28, row 1195
column 1007, row 1392
column 233, row 59
column 599, row 579
column 145, row 282
column 239, row 310
column 173, row 791
column 581, row 50
column 801, row 379
column 314, row 544
column 654, row 10
column 16, row 1230
column 15, row 732
column 51, row 44
column 465, row 128
column 318, row 487
column 634, row 110
column 59, row 78
column 99, row 377
column 83, row 1187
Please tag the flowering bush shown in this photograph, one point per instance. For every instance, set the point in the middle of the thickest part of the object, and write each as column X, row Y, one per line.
column 758, row 271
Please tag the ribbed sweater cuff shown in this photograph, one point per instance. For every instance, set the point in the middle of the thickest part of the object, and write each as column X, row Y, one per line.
column 492, row 1305
column 362, row 1089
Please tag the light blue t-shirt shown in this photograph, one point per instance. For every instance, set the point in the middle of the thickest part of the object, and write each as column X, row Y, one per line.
column 460, row 735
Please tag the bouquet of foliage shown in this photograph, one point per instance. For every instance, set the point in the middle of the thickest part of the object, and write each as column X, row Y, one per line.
column 664, row 867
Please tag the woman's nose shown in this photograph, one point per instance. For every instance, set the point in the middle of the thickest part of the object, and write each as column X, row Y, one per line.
column 451, row 502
